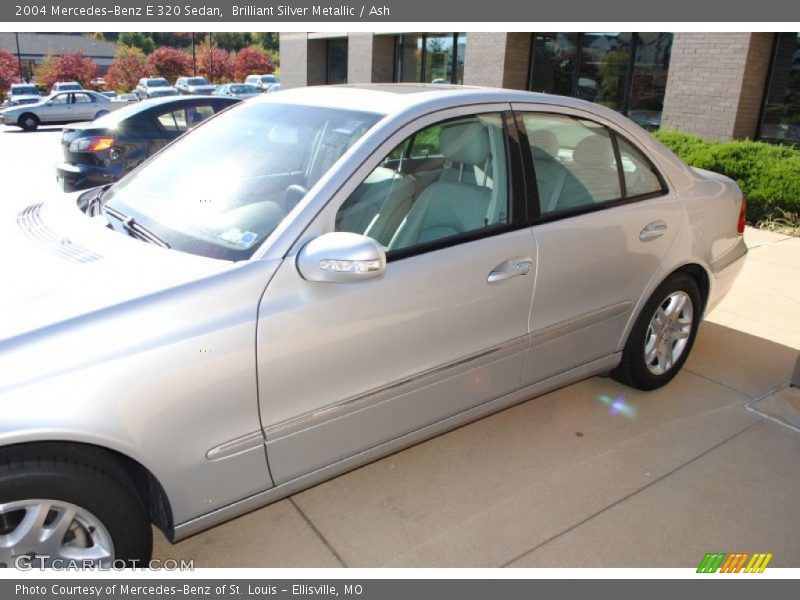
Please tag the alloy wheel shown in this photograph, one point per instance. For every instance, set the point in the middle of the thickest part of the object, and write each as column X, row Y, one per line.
column 668, row 333
column 48, row 530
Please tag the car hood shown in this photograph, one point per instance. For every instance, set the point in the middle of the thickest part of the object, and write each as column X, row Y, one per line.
column 59, row 264
column 162, row 90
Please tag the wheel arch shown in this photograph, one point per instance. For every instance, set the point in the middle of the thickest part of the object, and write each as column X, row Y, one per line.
column 149, row 489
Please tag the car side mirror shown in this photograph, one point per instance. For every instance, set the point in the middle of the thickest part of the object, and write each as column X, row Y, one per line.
column 341, row 257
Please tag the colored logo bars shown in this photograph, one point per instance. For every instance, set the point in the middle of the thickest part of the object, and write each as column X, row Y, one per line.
column 734, row 563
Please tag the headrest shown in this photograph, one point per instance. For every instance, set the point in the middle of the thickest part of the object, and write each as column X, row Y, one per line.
column 544, row 140
column 465, row 143
column 594, row 151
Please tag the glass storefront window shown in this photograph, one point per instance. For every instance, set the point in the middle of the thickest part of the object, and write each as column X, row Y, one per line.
column 554, row 57
column 603, row 68
column 337, row 61
column 623, row 71
column 430, row 58
column 649, row 78
column 781, row 114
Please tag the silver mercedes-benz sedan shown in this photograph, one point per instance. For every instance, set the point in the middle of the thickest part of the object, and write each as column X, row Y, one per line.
column 313, row 279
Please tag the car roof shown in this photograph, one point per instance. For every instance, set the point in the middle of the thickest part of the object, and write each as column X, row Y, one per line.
column 395, row 98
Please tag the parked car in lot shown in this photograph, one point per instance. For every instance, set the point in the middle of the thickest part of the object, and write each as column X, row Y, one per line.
column 59, row 108
column 193, row 85
column 154, row 87
column 127, row 98
column 237, row 90
column 262, row 82
column 104, row 150
column 22, row 93
column 314, row 279
column 66, row 86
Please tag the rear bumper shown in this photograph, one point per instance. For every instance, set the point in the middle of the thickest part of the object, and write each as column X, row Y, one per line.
column 72, row 177
column 725, row 270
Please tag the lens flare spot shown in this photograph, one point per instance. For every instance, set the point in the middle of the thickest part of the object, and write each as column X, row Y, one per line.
column 618, row 406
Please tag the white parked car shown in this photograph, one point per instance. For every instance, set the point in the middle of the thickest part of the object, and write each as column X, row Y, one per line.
column 22, row 93
column 65, row 86
column 59, row 108
column 262, row 82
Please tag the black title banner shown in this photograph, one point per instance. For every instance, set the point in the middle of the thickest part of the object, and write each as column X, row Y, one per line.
column 473, row 11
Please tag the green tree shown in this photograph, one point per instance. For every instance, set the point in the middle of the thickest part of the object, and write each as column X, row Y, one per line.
column 139, row 40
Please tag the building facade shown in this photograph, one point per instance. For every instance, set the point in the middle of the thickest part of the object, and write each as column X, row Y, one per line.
column 34, row 48
column 717, row 85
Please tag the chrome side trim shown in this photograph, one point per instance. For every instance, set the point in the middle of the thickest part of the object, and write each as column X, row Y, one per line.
column 236, row 446
column 334, row 410
column 198, row 524
column 730, row 257
column 568, row 326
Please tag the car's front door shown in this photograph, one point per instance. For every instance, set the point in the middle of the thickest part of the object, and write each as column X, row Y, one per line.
column 345, row 367
column 57, row 109
column 601, row 233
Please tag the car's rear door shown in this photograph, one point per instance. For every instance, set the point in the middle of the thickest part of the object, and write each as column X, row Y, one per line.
column 345, row 367
column 601, row 232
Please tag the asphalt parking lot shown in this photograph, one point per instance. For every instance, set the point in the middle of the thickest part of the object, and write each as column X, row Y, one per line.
column 593, row 475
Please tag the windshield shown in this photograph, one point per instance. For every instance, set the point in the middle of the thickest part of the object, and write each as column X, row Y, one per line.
column 28, row 90
column 269, row 79
column 157, row 83
column 196, row 81
column 68, row 86
column 244, row 89
column 221, row 189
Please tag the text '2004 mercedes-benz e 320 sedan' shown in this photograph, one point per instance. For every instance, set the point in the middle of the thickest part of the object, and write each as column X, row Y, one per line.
column 315, row 278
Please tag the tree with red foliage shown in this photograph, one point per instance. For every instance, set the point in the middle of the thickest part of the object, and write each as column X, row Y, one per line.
column 252, row 61
column 9, row 70
column 128, row 68
column 72, row 66
column 169, row 63
column 214, row 64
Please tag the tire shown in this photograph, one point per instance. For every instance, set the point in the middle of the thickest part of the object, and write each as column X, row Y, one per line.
column 657, row 347
column 101, row 113
column 28, row 121
column 109, row 523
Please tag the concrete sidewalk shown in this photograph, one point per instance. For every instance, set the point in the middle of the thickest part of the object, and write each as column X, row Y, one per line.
column 563, row 481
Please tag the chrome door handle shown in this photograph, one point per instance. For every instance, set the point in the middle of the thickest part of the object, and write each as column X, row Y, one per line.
column 653, row 230
column 513, row 270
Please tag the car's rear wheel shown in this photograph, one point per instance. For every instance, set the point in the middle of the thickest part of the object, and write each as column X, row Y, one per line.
column 55, row 508
column 662, row 336
column 28, row 121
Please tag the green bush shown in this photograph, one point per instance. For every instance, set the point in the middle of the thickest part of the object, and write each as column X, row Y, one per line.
column 769, row 175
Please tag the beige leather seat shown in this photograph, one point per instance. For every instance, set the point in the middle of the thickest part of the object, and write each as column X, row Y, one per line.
column 558, row 188
column 378, row 205
column 446, row 208
column 593, row 163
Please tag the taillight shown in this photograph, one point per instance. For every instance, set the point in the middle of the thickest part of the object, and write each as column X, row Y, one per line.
column 742, row 217
column 93, row 144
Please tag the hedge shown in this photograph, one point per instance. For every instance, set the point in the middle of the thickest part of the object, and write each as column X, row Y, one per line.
column 769, row 175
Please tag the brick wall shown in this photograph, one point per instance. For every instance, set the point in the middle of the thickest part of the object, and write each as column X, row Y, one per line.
column 370, row 58
column 716, row 83
column 294, row 60
column 359, row 57
column 497, row 59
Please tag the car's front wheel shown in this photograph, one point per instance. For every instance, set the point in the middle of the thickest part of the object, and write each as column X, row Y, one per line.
column 60, row 510
column 662, row 336
column 101, row 113
column 28, row 122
